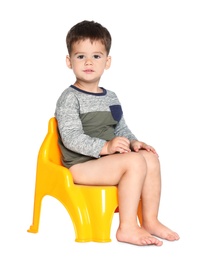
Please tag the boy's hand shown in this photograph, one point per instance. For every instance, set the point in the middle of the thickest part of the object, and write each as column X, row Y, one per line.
column 117, row 144
column 137, row 145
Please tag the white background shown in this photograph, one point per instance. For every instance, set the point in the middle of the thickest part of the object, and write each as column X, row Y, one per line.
column 158, row 74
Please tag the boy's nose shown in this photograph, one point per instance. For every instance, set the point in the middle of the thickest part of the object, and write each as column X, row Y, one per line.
column 88, row 61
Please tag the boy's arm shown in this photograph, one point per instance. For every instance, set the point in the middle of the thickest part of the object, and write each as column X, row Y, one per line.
column 123, row 130
column 71, row 130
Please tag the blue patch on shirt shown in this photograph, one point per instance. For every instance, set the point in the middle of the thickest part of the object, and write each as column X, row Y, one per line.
column 116, row 111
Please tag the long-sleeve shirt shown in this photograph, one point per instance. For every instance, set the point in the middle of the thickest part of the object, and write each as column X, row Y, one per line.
column 86, row 121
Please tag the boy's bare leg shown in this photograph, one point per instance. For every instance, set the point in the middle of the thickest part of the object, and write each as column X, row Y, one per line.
column 151, row 199
column 128, row 171
column 129, row 193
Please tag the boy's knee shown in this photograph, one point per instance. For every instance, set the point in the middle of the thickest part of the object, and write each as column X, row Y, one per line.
column 136, row 160
column 152, row 159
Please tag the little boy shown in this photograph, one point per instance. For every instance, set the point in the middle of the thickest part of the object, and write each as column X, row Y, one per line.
column 97, row 145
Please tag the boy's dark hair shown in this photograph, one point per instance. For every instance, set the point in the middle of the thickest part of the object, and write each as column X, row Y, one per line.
column 88, row 30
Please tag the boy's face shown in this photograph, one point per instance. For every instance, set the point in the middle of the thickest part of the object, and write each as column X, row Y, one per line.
column 88, row 60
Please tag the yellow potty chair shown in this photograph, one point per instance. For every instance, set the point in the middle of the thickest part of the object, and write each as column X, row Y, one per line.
column 91, row 208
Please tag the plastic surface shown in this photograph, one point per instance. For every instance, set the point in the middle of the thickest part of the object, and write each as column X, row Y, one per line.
column 91, row 208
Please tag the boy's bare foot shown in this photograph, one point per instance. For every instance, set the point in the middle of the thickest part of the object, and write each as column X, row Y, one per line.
column 158, row 229
column 137, row 236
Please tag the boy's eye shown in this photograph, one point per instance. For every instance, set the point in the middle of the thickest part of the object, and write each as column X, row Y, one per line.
column 97, row 56
column 80, row 57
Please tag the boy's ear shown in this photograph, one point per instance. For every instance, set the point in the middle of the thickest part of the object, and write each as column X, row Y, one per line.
column 108, row 62
column 68, row 62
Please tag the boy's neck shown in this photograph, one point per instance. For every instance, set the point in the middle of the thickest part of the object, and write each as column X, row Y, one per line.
column 88, row 87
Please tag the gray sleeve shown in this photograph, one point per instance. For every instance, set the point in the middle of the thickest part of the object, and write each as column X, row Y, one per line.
column 123, row 130
column 71, row 130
